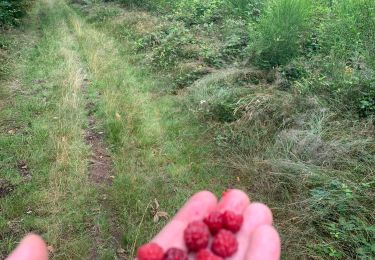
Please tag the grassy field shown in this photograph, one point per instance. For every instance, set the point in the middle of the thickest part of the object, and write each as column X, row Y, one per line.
column 175, row 97
column 159, row 154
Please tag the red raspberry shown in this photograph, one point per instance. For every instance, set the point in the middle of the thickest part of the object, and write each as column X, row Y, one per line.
column 232, row 221
column 150, row 251
column 196, row 235
column 224, row 243
column 214, row 221
column 205, row 254
column 175, row 254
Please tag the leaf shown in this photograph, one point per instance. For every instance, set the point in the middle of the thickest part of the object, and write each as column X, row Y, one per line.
column 156, row 204
column 121, row 251
column 160, row 214
column 51, row 249
column 163, row 214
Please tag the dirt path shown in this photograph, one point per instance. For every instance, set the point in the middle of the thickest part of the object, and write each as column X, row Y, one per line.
column 100, row 170
column 100, row 167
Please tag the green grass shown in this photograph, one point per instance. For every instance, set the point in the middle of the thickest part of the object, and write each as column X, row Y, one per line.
column 281, row 30
column 292, row 141
column 46, row 112
column 158, row 151
column 183, row 108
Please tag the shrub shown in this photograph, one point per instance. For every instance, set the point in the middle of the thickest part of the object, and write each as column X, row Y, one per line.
column 162, row 5
column 198, row 12
column 348, row 33
column 103, row 13
column 280, row 31
column 169, row 45
column 11, row 11
column 348, row 39
column 341, row 68
column 246, row 8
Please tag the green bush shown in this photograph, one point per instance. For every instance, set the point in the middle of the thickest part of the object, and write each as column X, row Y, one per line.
column 246, row 8
column 348, row 33
column 198, row 12
column 11, row 11
column 339, row 211
column 280, row 30
column 341, row 67
column 160, row 5
column 169, row 45
column 348, row 39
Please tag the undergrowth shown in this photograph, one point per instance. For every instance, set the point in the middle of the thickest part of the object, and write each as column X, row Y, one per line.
column 289, row 87
column 12, row 11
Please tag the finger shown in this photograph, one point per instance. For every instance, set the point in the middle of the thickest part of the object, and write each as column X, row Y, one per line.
column 234, row 200
column 264, row 244
column 255, row 215
column 32, row 247
column 196, row 208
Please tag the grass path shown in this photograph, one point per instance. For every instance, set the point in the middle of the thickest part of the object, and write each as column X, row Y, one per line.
column 79, row 105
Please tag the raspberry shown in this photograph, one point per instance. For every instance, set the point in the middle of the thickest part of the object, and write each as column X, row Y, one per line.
column 175, row 254
column 224, row 243
column 205, row 254
column 214, row 221
column 232, row 221
column 150, row 251
column 196, row 235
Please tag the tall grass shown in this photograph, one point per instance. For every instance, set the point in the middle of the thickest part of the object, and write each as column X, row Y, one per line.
column 341, row 68
column 280, row 31
column 349, row 30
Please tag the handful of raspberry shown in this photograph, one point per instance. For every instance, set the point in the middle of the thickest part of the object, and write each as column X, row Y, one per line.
column 212, row 238
column 208, row 228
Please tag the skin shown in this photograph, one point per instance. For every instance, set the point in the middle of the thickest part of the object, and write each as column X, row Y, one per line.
column 257, row 238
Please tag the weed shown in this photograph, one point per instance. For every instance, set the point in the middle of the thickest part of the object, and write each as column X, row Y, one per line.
column 280, row 31
column 245, row 8
column 198, row 12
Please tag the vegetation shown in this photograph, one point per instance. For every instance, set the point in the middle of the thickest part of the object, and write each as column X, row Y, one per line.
column 11, row 11
column 276, row 97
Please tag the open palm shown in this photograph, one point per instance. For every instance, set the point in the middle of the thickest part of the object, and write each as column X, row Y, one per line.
column 257, row 239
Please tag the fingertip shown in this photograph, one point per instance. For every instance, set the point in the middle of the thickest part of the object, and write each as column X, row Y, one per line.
column 264, row 244
column 234, row 200
column 31, row 247
column 235, row 193
column 196, row 208
column 255, row 215
column 257, row 210
column 205, row 195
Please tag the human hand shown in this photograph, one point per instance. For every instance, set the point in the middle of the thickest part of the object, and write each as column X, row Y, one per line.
column 257, row 239
column 32, row 247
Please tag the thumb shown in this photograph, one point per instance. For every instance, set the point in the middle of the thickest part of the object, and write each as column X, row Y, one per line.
column 32, row 247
